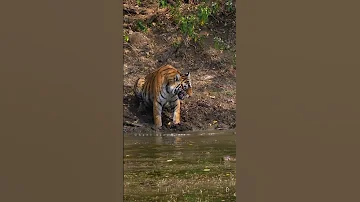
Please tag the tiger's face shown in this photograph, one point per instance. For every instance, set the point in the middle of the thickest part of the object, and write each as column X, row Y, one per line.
column 186, row 88
column 180, row 85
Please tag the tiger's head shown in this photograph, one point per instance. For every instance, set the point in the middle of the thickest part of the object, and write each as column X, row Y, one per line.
column 180, row 85
column 186, row 88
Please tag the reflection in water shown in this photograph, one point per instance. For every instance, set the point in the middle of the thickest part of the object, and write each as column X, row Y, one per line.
column 180, row 167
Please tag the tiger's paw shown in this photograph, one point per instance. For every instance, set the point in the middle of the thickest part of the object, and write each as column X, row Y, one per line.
column 175, row 125
column 181, row 126
column 156, row 128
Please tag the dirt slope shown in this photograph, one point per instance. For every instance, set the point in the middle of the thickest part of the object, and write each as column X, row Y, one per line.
column 210, row 62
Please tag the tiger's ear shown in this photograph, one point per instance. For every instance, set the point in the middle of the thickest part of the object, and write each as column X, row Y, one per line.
column 187, row 74
column 177, row 77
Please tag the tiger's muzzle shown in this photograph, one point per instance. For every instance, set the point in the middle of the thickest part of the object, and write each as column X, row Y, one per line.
column 182, row 95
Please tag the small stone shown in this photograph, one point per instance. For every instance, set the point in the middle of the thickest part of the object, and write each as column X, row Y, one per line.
column 207, row 77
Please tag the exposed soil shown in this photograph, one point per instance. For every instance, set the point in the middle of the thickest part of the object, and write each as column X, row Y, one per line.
column 212, row 69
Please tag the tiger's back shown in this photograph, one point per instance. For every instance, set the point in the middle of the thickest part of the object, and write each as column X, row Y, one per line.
column 166, row 85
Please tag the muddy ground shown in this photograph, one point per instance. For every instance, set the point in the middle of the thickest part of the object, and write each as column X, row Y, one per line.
column 212, row 66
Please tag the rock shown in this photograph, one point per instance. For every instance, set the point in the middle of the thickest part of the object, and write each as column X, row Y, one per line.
column 229, row 158
column 139, row 40
column 222, row 126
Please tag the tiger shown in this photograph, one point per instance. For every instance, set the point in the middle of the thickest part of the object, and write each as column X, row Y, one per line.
column 165, row 86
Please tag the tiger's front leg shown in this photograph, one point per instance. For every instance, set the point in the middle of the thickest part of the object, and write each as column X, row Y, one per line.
column 157, row 109
column 176, row 112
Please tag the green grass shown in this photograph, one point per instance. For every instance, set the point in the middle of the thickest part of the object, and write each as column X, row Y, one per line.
column 141, row 26
column 126, row 38
column 163, row 3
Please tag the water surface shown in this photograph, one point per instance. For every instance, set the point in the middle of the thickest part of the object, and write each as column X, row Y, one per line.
column 194, row 166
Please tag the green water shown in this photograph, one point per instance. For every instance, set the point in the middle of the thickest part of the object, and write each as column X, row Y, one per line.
column 196, row 166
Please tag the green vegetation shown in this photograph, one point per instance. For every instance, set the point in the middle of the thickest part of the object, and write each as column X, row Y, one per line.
column 141, row 27
column 190, row 21
column 163, row 3
column 203, row 14
column 126, row 38
column 187, row 25
column 229, row 6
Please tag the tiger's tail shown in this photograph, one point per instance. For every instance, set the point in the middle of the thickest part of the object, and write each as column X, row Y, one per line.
column 138, row 87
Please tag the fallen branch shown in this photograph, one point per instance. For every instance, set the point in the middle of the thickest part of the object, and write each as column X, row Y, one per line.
column 128, row 123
